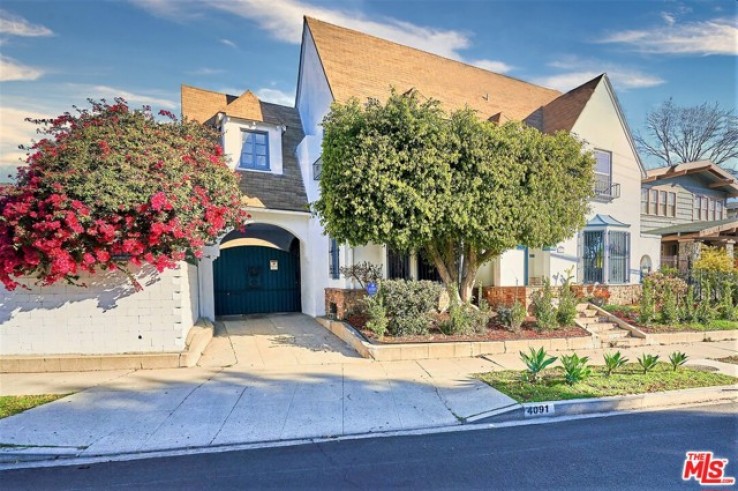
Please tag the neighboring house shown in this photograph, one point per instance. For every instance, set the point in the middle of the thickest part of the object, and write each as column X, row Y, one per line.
column 686, row 206
column 284, row 261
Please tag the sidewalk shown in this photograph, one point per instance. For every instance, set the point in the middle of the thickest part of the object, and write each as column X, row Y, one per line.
column 266, row 379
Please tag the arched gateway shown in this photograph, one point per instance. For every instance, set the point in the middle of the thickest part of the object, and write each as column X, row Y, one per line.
column 258, row 271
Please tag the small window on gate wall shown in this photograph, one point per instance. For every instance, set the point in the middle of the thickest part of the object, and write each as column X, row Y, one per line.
column 334, row 260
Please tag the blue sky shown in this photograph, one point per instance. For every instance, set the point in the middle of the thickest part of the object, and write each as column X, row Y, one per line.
column 57, row 53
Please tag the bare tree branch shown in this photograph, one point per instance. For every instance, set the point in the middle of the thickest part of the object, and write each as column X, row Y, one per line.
column 675, row 134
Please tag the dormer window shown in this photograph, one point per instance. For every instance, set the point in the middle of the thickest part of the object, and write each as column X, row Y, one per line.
column 255, row 150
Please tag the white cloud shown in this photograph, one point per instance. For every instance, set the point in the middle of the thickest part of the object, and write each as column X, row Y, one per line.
column 206, row 71
column 157, row 101
column 711, row 37
column 14, row 25
column 283, row 20
column 276, row 96
column 15, row 131
column 493, row 65
column 228, row 42
column 669, row 18
column 13, row 70
column 578, row 71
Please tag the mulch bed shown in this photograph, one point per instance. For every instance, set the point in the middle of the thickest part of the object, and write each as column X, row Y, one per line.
column 495, row 332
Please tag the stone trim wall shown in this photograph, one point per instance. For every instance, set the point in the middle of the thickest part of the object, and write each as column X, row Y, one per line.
column 340, row 302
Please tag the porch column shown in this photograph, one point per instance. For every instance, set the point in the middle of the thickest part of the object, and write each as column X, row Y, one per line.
column 689, row 252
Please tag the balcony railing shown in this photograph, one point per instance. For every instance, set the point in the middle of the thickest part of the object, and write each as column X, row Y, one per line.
column 606, row 190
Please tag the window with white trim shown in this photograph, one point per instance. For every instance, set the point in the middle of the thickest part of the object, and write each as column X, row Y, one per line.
column 254, row 150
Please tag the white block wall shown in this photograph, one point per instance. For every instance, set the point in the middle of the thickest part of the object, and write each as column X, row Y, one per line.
column 107, row 317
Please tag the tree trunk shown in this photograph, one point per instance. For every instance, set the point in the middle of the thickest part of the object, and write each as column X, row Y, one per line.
column 468, row 274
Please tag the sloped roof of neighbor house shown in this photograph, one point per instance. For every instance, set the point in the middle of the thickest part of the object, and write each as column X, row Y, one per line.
column 259, row 189
column 363, row 66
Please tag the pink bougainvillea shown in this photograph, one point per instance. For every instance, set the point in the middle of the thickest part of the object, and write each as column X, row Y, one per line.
column 109, row 187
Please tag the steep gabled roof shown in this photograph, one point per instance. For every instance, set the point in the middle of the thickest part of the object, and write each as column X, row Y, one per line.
column 561, row 113
column 363, row 66
column 201, row 105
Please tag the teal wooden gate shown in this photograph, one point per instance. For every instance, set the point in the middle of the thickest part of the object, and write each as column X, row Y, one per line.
column 253, row 279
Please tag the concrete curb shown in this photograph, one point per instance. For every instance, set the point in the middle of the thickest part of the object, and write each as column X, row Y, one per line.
column 553, row 410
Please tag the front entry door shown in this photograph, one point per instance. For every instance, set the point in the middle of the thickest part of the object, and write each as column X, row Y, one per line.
column 254, row 279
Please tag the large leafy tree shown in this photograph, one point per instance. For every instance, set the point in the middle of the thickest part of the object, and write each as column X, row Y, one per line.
column 406, row 174
column 110, row 187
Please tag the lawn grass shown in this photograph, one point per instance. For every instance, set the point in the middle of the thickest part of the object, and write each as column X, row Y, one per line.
column 629, row 379
column 10, row 405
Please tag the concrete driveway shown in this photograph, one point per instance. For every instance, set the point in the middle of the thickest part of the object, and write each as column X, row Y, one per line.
column 263, row 378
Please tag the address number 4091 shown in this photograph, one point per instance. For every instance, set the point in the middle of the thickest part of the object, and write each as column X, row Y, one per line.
column 537, row 410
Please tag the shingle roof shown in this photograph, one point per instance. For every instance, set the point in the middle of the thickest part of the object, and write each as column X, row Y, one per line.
column 561, row 113
column 363, row 66
column 691, row 227
column 200, row 105
column 259, row 189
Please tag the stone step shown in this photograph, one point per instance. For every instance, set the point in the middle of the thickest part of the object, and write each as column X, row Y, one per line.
column 603, row 327
column 581, row 307
column 593, row 320
column 613, row 334
column 588, row 313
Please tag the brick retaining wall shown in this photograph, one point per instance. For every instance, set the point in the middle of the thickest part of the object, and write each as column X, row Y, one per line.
column 506, row 295
column 340, row 302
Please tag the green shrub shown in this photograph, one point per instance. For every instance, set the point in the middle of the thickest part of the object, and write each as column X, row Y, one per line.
column 543, row 307
column 727, row 309
column 613, row 361
column 687, row 310
column 409, row 305
column 575, row 368
column 567, row 310
column 647, row 310
column 704, row 314
column 377, row 315
column 648, row 362
column 512, row 317
column 669, row 309
column 535, row 362
column 466, row 319
column 677, row 359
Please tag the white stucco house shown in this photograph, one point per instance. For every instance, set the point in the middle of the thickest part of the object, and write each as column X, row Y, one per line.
column 283, row 261
column 277, row 150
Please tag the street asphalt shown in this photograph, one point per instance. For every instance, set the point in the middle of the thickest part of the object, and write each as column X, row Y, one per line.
column 630, row 451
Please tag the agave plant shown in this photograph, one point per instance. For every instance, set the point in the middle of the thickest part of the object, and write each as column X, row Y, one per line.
column 535, row 362
column 575, row 368
column 648, row 362
column 613, row 361
column 677, row 359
